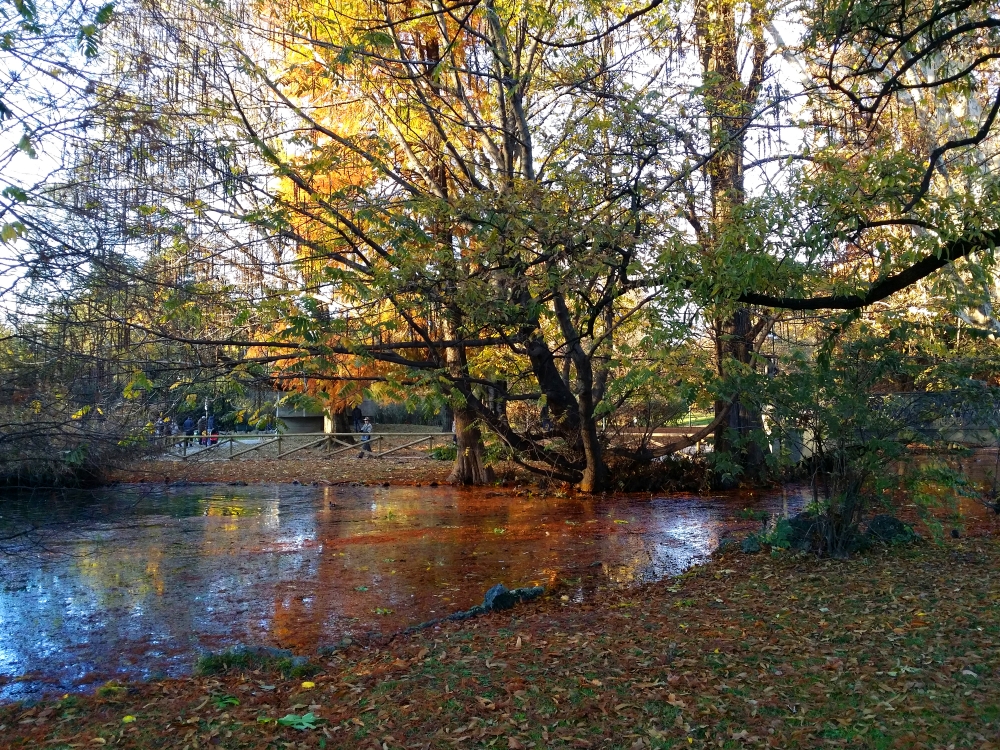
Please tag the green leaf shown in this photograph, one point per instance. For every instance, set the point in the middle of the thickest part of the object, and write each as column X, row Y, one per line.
column 15, row 193
column 139, row 384
column 378, row 39
column 27, row 147
column 306, row 721
column 11, row 231
column 104, row 14
column 87, row 39
column 27, row 9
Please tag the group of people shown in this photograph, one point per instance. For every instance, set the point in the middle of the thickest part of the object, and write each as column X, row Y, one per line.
column 165, row 427
column 204, row 429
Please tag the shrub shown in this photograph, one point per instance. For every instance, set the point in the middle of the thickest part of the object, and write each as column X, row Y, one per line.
column 444, row 453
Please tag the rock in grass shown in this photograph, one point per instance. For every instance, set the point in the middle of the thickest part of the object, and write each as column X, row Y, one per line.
column 344, row 643
column 500, row 597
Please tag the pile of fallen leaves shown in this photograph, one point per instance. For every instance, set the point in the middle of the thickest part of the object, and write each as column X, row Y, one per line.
column 897, row 648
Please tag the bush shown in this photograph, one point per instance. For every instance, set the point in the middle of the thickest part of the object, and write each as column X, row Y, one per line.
column 841, row 417
column 444, row 453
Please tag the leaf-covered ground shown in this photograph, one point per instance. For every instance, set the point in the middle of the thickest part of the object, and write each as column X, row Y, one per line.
column 897, row 648
column 307, row 468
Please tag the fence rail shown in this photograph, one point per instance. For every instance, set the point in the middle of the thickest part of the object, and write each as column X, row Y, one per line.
column 234, row 445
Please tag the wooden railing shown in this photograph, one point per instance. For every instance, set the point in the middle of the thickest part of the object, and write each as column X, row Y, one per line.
column 233, row 445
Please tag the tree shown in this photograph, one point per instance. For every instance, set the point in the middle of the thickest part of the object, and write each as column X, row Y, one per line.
column 44, row 86
column 507, row 203
column 425, row 240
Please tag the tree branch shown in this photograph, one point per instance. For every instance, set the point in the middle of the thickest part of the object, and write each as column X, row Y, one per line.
column 886, row 287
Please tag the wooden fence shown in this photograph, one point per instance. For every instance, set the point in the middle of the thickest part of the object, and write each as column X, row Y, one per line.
column 270, row 445
column 234, row 445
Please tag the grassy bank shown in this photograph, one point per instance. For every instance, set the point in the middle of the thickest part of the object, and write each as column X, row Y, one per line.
column 897, row 648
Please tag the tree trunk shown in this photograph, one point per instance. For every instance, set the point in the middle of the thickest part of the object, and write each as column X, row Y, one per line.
column 342, row 423
column 730, row 101
column 735, row 342
column 447, row 418
column 595, row 474
column 470, row 463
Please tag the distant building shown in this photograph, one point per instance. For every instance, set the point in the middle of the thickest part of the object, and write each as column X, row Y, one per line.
column 297, row 421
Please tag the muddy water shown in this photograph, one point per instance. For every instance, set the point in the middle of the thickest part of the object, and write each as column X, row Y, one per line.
column 135, row 582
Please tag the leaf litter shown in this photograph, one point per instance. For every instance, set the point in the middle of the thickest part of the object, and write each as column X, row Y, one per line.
column 897, row 648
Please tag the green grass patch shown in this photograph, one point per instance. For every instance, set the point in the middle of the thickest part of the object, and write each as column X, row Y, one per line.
column 267, row 661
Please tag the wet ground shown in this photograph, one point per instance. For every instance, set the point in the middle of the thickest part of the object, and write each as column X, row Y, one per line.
column 135, row 581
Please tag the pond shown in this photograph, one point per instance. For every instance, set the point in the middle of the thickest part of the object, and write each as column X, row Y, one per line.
column 135, row 581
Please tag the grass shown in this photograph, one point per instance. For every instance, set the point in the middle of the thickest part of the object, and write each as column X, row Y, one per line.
column 255, row 660
column 694, row 419
column 899, row 647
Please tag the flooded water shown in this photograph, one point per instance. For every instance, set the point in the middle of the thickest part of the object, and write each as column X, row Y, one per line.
column 136, row 581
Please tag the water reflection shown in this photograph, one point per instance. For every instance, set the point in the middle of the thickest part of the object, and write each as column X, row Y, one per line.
column 136, row 581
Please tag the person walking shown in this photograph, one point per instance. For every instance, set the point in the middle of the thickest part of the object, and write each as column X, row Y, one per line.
column 188, row 430
column 356, row 417
column 366, row 437
column 202, row 429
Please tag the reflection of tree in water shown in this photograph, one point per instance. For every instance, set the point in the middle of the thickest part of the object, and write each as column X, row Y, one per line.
column 307, row 568
column 393, row 549
column 117, row 576
column 632, row 561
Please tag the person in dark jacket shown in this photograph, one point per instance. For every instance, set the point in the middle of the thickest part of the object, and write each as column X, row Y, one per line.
column 188, row 430
column 356, row 417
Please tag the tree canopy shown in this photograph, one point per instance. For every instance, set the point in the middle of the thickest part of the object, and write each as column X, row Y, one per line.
column 567, row 222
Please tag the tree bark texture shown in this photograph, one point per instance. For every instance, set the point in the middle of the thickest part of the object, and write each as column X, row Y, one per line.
column 470, row 462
